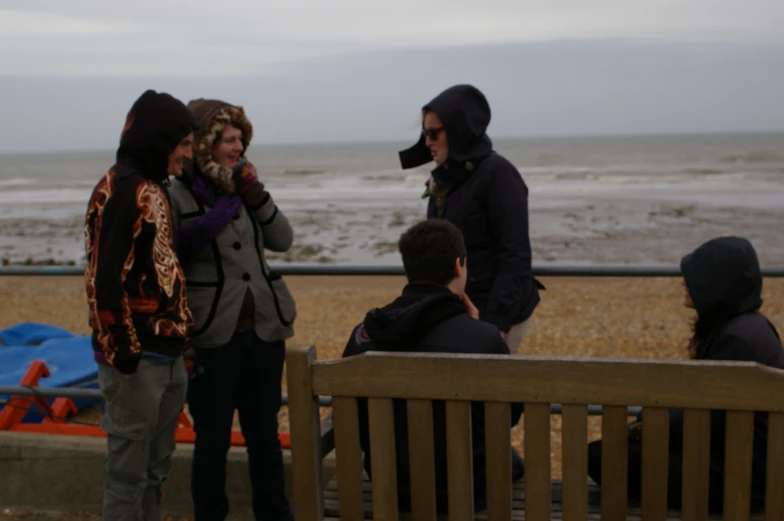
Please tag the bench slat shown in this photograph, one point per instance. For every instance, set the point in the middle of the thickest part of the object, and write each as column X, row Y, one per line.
column 696, row 464
column 459, row 460
column 498, row 440
column 575, row 461
column 655, row 445
column 348, row 457
column 737, row 484
column 382, row 446
column 614, row 462
column 421, row 459
column 775, row 479
column 667, row 383
column 304, row 422
column 536, row 424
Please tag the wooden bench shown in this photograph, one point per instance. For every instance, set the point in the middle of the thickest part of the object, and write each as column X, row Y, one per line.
column 697, row 387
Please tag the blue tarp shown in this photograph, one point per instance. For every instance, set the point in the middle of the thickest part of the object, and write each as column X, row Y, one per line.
column 30, row 333
column 68, row 357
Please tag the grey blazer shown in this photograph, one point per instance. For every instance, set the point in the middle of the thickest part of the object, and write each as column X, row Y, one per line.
column 218, row 276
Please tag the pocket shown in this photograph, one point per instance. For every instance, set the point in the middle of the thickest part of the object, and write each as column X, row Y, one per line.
column 124, row 417
column 124, row 426
column 284, row 300
column 109, row 381
column 126, row 463
column 202, row 301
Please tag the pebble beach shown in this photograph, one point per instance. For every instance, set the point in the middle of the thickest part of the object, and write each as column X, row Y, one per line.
column 591, row 317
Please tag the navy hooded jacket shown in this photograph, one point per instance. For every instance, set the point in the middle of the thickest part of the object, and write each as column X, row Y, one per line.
column 427, row 318
column 487, row 200
column 724, row 280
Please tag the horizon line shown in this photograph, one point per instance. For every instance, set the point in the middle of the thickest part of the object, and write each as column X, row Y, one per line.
column 685, row 133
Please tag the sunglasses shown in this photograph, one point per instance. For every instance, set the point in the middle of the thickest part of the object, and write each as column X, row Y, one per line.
column 432, row 132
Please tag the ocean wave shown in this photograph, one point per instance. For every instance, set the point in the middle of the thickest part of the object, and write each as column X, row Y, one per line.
column 62, row 195
column 16, row 181
column 303, row 171
column 761, row 156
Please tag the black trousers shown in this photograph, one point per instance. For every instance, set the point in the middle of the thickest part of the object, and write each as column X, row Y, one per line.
column 244, row 375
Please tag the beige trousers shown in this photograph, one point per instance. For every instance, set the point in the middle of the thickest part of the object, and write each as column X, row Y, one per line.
column 514, row 338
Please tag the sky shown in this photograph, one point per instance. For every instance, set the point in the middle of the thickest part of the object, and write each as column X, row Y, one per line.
column 318, row 71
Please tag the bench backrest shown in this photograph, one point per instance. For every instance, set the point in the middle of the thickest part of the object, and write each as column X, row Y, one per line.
column 538, row 382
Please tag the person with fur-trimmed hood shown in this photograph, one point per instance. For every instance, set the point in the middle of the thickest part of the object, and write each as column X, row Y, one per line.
column 243, row 311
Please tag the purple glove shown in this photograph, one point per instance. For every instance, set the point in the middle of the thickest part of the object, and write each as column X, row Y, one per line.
column 246, row 178
column 199, row 232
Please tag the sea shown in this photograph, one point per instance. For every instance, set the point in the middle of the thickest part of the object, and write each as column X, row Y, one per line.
column 609, row 200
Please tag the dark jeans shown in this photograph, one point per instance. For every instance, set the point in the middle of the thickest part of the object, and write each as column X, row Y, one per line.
column 480, row 488
column 245, row 375
column 674, row 476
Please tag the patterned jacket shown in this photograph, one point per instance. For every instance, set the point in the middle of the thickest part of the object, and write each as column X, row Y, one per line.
column 135, row 285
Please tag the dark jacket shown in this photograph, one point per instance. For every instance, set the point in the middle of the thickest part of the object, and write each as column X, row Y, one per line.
column 427, row 318
column 484, row 195
column 135, row 286
column 725, row 283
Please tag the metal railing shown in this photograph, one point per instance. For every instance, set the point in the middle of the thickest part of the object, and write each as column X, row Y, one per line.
column 607, row 270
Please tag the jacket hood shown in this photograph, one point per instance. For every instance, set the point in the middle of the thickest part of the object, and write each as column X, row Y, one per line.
column 465, row 114
column 723, row 278
column 212, row 117
column 401, row 325
column 154, row 126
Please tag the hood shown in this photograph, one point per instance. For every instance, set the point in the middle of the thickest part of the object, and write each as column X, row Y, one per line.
column 154, row 126
column 723, row 278
column 212, row 117
column 401, row 325
column 465, row 114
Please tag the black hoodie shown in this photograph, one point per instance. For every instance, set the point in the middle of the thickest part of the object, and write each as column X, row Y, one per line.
column 724, row 281
column 484, row 195
column 135, row 286
column 427, row 318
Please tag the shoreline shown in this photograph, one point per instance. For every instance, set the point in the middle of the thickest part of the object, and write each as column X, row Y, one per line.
column 588, row 230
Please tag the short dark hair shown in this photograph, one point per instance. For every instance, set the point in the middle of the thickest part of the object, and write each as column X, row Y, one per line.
column 429, row 249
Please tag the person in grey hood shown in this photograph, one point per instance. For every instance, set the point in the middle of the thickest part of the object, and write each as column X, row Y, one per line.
column 243, row 312
column 432, row 315
column 484, row 195
column 723, row 284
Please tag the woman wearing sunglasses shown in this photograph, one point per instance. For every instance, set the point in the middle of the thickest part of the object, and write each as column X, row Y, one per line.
column 484, row 195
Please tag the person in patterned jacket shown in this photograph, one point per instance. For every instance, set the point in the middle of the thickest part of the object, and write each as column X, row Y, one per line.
column 137, row 304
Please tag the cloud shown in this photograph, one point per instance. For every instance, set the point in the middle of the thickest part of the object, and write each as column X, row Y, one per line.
column 570, row 87
column 200, row 38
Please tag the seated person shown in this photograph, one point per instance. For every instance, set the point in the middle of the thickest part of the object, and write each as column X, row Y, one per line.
column 433, row 315
column 723, row 284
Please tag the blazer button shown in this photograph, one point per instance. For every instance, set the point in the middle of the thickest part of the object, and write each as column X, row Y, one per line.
column 237, row 245
column 246, row 277
column 236, row 216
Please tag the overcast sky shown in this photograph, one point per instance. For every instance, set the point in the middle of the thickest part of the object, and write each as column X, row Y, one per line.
column 338, row 70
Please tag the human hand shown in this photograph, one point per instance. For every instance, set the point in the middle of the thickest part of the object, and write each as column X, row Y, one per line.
column 469, row 307
column 245, row 176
